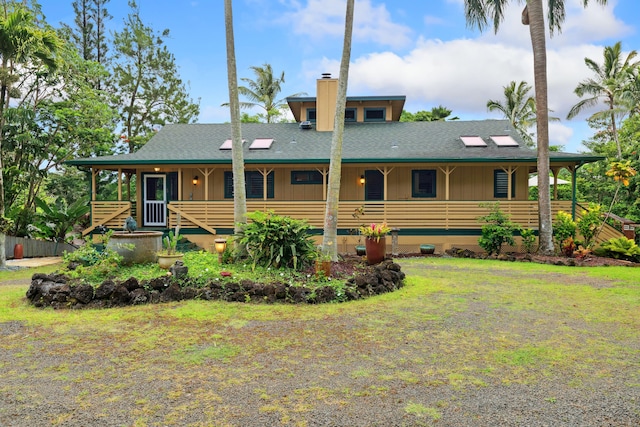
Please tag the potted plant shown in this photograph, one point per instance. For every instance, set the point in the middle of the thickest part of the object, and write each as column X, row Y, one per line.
column 169, row 255
column 375, row 242
column 323, row 264
column 357, row 213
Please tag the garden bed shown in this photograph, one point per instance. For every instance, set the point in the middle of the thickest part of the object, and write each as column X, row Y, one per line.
column 58, row 291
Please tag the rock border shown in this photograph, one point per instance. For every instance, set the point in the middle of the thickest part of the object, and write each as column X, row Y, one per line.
column 59, row 292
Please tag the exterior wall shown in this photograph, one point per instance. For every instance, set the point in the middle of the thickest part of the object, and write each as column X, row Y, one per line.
column 466, row 182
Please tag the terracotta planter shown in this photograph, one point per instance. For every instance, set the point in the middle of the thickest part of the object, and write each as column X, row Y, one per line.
column 166, row 261
column 323, row 267
column 18, row 251
column 376, row 250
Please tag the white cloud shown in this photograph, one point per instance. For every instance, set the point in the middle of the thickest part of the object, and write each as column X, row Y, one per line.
column 318, row 19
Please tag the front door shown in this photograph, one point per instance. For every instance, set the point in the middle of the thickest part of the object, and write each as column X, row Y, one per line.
column 155, row 199
column 374, row 185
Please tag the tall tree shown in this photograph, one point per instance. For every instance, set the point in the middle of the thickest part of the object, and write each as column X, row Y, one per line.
column 147, row 83
column 330, row 237
column 519, row 108
column 89, row 34
column 437, row 114
column 609, row 84
column 478, row 13
column 22, row 41
column 237, row 156
column 263, row 91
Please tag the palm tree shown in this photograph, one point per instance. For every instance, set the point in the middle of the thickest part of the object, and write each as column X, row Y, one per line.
column 330, row 236
column 237, row 156
column 519, row 108
column 262, row 92
column 22, row 41
column 478, row 12
column 610, row 81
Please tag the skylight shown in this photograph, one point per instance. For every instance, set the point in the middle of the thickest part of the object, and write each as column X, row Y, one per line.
column 227, row 144
column 504, row 141
column 261, row 144
column 473, row 141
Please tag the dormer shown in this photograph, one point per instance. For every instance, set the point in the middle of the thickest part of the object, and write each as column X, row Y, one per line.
column 320, row 111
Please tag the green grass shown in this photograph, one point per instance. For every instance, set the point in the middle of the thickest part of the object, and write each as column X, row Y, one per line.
column 457, row 325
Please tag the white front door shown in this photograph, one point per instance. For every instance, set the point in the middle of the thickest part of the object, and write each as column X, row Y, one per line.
column 155, row 199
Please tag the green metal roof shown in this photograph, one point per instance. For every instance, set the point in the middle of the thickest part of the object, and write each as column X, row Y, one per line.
column 394, row 142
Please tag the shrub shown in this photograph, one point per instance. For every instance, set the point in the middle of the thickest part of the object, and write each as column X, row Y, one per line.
column 589, row 222
column 272, row 240
column 620, row 248
column 92, row 264
column 563, row 228
column 498, row 230
column 528, row 239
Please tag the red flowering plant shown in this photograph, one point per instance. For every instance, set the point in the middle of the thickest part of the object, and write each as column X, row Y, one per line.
column 375, row 231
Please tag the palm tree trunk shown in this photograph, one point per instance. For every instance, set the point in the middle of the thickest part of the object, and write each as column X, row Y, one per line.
column 330, row 237
column 535, row 15
column 237, row 156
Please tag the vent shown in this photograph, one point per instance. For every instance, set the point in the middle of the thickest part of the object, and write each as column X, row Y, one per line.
column 305, row 125
column 326, row 75
column 473, row 141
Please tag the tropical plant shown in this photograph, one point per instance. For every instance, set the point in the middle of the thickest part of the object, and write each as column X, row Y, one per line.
column 480, row 13
column 22, row 41
column 588, row 223
column 330, row 236
column 564, row 228
column 263, row 91
column 620, row 248
column 519, row 108
column 609, row 84
column 528, row 239
column 497, row 231
column 437, row 114
column 375, row 231
column 170, row 242
column 57, row 219
column 237, row 155
column 272, row 240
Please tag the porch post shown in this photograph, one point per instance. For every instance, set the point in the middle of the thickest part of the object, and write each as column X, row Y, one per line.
column 447, row 172
column 119, row 184
column 94, row 172
column 180, row 184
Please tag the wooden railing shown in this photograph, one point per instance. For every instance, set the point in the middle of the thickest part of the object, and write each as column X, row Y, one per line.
column 111, row 214
column 401, row 214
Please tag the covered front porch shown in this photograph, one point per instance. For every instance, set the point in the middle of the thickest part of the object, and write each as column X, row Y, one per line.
column 442, row 223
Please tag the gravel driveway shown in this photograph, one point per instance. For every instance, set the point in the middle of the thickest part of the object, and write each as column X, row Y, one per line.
column 448, row 353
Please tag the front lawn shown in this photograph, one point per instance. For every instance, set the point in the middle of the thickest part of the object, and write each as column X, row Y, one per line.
column 465, row 342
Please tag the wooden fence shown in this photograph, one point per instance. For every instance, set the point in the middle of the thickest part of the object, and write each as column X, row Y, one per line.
column 33, row 248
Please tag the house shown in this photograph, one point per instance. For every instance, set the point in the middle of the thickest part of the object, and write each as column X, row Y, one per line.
column 430, row 180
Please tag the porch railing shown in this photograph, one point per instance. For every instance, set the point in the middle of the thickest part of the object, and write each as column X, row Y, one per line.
column 402, row 214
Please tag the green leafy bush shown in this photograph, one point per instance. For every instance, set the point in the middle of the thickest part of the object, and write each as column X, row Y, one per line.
column 620, row 248
column 272, row 240
column 528, row 239
column 94, row 264
column 563, row 228
column 589, row 222
column 498, row 230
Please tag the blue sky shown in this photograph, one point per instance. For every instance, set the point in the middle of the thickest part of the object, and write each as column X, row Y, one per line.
column 421, row 49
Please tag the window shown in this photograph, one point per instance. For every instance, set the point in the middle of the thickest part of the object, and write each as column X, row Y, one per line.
column 501, row 183
column 375, row 114
column 306, row 177
column 351, row 115
column 253, row 184
column 311, row 114
column 423, row 183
